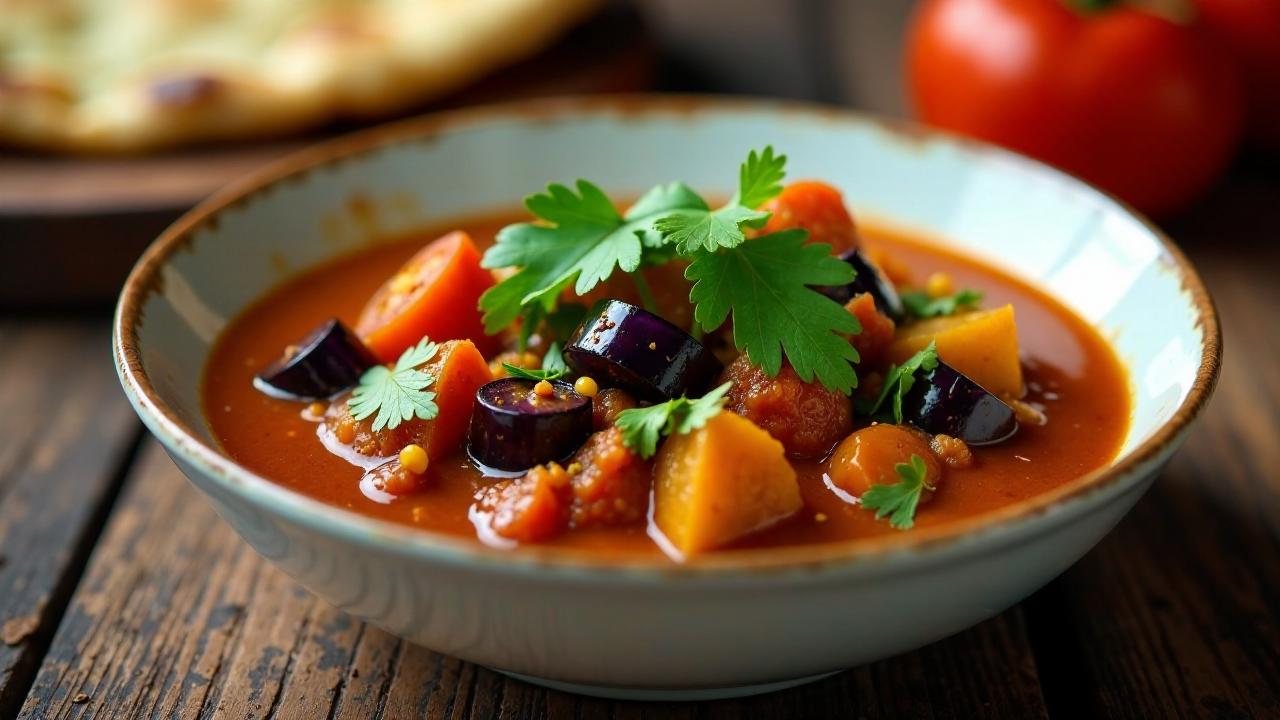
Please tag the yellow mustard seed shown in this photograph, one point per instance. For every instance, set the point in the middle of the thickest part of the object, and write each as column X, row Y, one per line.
column 346, row 433
column 939, row 285
column 544, row 389
column 586, row 386
column 414, row 459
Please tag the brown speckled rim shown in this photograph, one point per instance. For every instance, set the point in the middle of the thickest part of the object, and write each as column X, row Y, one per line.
column 982, row 533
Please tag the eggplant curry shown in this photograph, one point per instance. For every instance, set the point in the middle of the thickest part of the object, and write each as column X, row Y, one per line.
column 672, row 377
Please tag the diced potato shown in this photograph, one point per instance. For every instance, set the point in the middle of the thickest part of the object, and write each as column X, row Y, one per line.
column 721, row 482
column 982, row 345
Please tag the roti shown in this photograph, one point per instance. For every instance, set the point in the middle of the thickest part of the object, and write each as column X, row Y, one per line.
column 121, row 76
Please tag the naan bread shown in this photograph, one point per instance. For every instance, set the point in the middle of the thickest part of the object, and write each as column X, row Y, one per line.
column 138, row 75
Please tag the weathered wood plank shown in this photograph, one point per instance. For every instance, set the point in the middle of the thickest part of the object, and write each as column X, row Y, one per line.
column 65, row 432
column 176, row 617
column 1175, row 613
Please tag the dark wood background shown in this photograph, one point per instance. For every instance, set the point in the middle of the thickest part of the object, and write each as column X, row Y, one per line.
column 123, row 595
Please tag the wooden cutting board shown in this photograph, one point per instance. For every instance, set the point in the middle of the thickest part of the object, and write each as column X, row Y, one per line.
column 70, row 228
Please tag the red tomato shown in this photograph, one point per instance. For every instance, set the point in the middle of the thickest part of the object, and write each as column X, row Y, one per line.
column 1143, row 107
column 1250, row 30
column 816, row 207
column 435, row 295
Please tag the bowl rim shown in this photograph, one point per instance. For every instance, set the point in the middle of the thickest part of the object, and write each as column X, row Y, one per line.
column 970, row 533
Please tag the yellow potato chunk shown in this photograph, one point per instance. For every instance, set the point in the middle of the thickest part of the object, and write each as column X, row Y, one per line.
column 982, row 345
column 721, row 482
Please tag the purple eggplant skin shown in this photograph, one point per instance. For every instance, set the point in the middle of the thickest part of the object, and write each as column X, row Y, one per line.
column 621, row 345
column 327, row 361
column 867, row 279
column 512, row 428
column 946, row 402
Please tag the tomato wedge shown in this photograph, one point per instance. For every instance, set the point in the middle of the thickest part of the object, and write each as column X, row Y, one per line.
column 435, row 294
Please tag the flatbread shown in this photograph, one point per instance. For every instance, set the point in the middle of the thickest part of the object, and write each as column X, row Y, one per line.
column 118, row 76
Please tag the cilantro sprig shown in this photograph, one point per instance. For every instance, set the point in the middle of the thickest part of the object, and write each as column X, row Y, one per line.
column 922, row 305
column 898, row 382
column 399, row 393
column 899, row 500
column 643, row 427
column 553, row 366
column 759, row 179
column 579, row 240
column 767, row 286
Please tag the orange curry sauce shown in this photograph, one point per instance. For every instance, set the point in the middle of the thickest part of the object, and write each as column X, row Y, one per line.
column 1069, row 370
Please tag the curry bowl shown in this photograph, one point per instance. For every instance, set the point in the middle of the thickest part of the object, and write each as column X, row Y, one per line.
column 726, row 624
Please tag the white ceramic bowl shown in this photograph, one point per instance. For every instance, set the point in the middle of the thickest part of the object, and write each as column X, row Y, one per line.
column 725, row 626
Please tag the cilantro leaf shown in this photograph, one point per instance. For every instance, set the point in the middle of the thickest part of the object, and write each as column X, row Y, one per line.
column 662, row 199
column 922, row 305
column 565, row 320
column 398, row 393
column 900, row 499
column 760, row 178
column 580, row 240
column 766, row 285
column 558, row 324
column 516, row 371
column 693, row 229
column 553, row 366
column 553, row 361
column 898, row 381
column 643, row 427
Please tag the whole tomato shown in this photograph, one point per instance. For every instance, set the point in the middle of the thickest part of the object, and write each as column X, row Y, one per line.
column 1141, row 106
column 1250, row 30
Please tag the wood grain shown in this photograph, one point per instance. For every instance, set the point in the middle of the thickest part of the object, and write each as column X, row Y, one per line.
column 176, row 617
column 65, row 429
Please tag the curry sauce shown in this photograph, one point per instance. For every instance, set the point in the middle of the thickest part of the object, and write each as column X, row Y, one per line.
column 1070, row 373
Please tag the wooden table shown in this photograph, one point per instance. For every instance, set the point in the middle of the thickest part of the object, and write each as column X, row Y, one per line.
column 123, row 595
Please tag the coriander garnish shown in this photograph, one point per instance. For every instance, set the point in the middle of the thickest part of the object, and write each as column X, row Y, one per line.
column 759, row 179
column 922, row 305
column 553, row 366
column 579, row 242
column 900, row 499
column 399, row 393
column 765, row 285
column 643, row 427
column 897, row 383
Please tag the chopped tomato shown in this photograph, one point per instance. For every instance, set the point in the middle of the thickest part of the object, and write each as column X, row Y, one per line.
column 608, row 404
column 611, row 484
column 805, row 417
column 530, row 508
column 818, row 208
column 434, row 295
column 877, row 331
